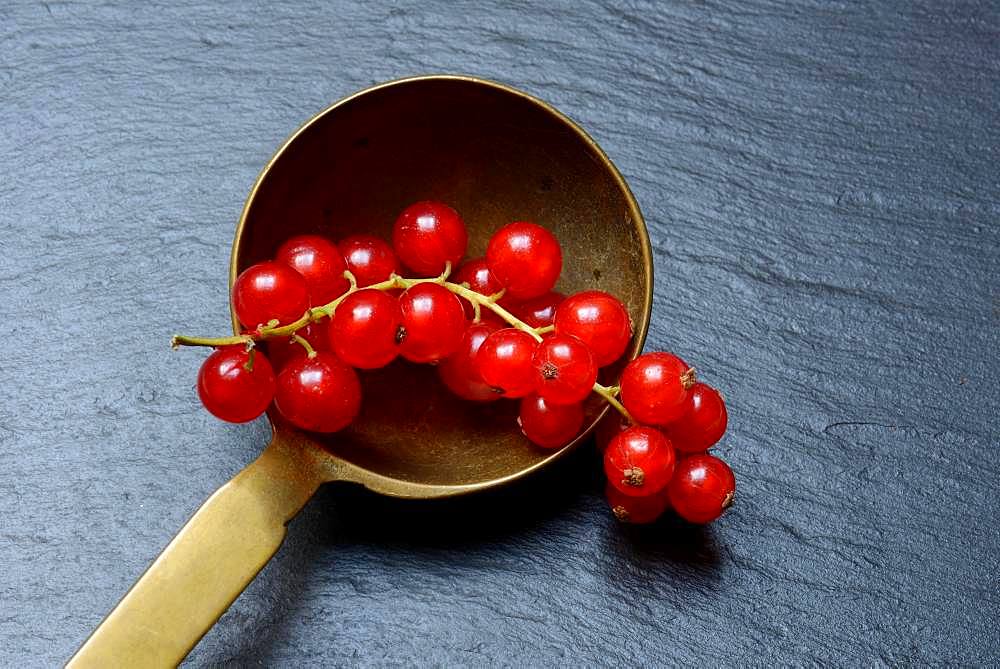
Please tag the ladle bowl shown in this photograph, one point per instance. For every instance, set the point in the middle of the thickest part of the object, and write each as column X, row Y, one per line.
column 496, row 155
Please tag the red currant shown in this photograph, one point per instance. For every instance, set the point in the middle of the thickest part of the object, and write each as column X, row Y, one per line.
column 367, row 329
column 459, row 371
column 504, row 361
column 702, row 488
column 434, row 322
column 319, row 261
column 371, row 260
column 525, row 258
column 565, row 372
column 654, row 387
column 703, row 422
column 269, row 290
column 319, row 394
column 475, row 273
column 636, row 510
column 233, row 387
column 537, row 312
column 599, row 320
column 427, row 235
column 639, row 461
column 282, row 350
column 549, row 425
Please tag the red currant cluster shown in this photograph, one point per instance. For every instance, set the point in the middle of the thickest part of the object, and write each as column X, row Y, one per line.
column 496, row 330
column 641, row 462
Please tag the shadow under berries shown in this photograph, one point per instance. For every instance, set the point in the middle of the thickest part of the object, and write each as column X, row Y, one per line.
column 670, row 539
column 346, row 522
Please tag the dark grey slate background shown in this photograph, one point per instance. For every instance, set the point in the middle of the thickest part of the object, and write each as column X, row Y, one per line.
column 821, row 186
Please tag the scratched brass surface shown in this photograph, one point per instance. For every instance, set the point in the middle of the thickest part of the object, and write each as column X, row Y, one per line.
column 496, row 155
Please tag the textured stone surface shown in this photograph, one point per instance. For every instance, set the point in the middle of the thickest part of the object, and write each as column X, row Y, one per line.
column 820, row 182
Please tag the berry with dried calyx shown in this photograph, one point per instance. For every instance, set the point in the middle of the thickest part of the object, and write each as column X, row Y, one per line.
column 702, row 488
column 655, row 387
column 565, row 372
column 639, row 461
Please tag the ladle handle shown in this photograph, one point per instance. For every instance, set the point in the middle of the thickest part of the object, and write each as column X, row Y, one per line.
column 206, row 566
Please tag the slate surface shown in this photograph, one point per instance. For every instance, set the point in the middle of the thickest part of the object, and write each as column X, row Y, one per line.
column 821, row 187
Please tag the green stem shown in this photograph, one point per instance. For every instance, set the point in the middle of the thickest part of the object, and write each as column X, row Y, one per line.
column 273, row 330
column 301, row 341
column 610, row 394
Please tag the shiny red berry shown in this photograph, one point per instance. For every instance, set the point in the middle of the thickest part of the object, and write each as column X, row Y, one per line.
column 434, row 322
column 639, row 461
column 504, row 361
column 654, row 387
column 427, row 235
column 703, row 422
column 319, row 394
column 549, row 425
column 269, row 290
column 460, row 373
column 702, row 488
column 282, row 350
column 371, row 260
column 599, row 320
column 525, row 258
column 234, row 388
column 319, row 262
column 475, row 273
column 636, row 510
column 564, row 370
column 367, row 329
column 538, row 312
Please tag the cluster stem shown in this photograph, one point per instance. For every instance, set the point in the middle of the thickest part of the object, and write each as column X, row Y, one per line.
column 273, row 330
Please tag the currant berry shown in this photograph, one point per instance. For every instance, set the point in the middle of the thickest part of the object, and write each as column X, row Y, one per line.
column 538, row 312
column 427, row 235
column 235, row 385
column 597, row 319
column 267, row 291
column 702, row 488
column 564, row 370
column 504, row 362
column 320, row 263
column 525, row 258
column 636, row 510
column 639, row 461
column 655, row 387
column 319, row 394
column 459, row 371
column 282, row 350
column 477, row 274
column 367, row 329
column 434, row 322
column 703, row 422
column 549, row 425
column 371, row 260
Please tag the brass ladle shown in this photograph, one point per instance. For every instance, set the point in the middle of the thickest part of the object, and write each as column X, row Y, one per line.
column 496, row 155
